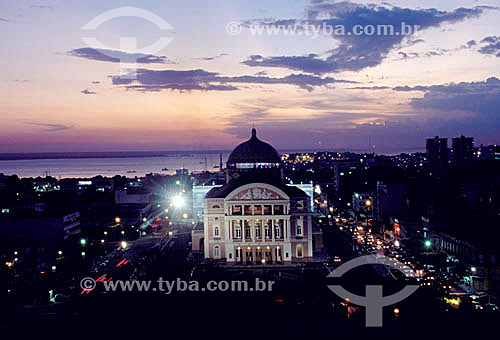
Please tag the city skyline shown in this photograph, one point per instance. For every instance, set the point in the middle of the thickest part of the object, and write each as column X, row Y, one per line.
column 206, row 89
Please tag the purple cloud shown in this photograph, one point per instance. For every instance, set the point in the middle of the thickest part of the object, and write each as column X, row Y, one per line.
column 357, row 52
column 492, row 46
column 87, row 91
column 115, row 56
column 156, row 80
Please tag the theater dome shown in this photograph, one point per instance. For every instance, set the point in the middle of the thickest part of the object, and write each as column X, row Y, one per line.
column 254, row 151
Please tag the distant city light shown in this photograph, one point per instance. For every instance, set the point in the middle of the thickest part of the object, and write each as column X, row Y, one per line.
column 473, row 269
column 184, row 215
column 118, row 220
column 428, row 243
column 83, row 241
column 123, row 244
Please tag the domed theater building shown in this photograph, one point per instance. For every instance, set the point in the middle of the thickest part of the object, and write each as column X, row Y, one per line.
column 255, row 218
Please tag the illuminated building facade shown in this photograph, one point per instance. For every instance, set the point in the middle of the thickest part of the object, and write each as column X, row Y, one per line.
column 255, row 218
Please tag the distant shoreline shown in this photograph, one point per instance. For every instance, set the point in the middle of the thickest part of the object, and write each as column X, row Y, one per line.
column 90, row 155
column 143, row 154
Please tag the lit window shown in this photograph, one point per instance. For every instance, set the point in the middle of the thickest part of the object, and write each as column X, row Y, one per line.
column 267, row 229
column 237, row 209
column 299, row 251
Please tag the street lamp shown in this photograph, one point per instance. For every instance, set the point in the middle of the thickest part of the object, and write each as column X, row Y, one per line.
column 178, row 201
column 117, row 220
column 83, row 242
column 428, row 243
column 123, row 244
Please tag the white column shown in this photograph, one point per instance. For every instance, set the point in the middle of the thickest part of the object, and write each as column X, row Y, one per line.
column 272, row 229
column 252, row 229
column 309, row 236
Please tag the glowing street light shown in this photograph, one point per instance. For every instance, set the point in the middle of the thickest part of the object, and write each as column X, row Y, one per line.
column 123, row 244
column 368, row 203
column 83, row 242
column 118, row 220
column 428, row 243
column 178, row 201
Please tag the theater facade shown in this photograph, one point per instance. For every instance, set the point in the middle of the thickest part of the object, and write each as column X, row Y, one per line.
column 255, row 218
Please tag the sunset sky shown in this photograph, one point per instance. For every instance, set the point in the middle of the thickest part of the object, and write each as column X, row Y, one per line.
column 206, row 89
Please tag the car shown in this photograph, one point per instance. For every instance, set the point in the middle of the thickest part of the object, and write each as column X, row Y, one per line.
column 492, row 307
column 337, row 259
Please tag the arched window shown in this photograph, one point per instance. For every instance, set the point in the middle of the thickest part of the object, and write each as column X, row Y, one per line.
column 216, row 252
column 299, row 251
column 215, row 206
column 216, row 231
column 299, row 206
